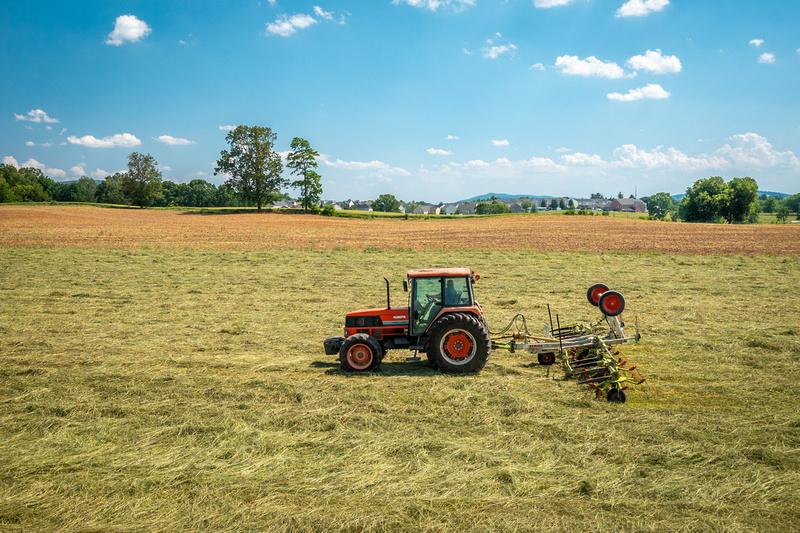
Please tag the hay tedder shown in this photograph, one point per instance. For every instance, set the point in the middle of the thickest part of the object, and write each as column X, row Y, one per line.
column 444, row 321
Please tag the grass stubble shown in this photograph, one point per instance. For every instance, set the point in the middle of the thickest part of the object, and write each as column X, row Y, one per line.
column 163, row 389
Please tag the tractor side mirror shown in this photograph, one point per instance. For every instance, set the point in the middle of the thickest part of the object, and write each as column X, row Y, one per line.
column 405, row 286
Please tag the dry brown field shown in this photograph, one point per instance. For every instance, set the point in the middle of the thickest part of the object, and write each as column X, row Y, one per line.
column 85, row 226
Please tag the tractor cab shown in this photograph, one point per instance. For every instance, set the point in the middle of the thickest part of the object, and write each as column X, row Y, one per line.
column 434, row 290
column 442, row 319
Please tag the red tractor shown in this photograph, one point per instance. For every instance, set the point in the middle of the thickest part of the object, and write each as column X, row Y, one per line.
column 442, row 319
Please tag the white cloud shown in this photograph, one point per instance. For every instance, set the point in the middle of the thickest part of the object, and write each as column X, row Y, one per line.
column 536, row 66
column 226, row 127
column 118, row 139
column 327, row 15
column 500, row 142
column 756, row 42
column 633, row 157
column 495, row 51
column 435, row 5
column 657, row 63
column 438, row 152
column 173, row 141
column 651, row 91
column 55, row 172
column 641, row 8
column 591, row 66
column 452, row 137
column 43, row 145
column 33, row 163
column 78, row 170
column 36, row 115
column 164, row 168
column 767, row 58
column 128, row 29
column 10, row 161
column 477, row 171
column 286, row 25
column 751, row 150
column 544, row 4
column 99, row 173
column 375, row 167
column 582, row 159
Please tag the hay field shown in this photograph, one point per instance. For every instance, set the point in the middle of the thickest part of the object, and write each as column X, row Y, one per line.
column 179, row 383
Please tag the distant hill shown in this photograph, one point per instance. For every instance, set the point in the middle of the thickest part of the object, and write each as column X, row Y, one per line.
column 504, row 196
column 778, row 195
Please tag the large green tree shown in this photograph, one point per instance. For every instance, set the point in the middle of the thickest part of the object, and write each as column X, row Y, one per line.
column 769, row 203
column 110, row 190
column 25, row 184
column 86, row 190
column 713, row 200
column 705, row 200
column 742, row 205
column 253, row 167
column 302, row 160
column 141, row 184
column 659, row 204
column 793, row 203
column 386, row 203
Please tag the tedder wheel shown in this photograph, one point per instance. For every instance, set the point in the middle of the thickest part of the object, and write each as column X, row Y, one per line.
column 595, row 292
column 459, row 343
column 612, row 303
column 615, row 395
column 360, row 353
column 546, row 359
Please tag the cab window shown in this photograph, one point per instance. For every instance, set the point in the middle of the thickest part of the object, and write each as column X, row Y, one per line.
column 427, row 302
column 456, row 292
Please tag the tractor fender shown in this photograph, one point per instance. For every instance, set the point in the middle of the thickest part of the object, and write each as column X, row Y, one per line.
column 470, row 310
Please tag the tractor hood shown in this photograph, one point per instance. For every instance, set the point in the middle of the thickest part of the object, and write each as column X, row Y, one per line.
column 393, row 316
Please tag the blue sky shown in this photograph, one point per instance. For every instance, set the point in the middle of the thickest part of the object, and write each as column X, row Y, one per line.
column 426, row 99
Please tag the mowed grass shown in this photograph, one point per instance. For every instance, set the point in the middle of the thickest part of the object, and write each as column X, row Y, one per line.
column 154, row 389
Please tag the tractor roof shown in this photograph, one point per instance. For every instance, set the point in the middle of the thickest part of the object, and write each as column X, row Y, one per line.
column 440, row 273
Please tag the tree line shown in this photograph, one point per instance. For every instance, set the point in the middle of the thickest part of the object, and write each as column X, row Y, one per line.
column 715, row 200
column 253, row 169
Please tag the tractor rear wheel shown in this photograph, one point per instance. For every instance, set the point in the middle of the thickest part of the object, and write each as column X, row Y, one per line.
column 459, row 343
column 360, row 353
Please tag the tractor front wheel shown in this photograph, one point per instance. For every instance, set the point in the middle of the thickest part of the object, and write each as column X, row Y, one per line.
column 459, row 343
column 360, row 352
